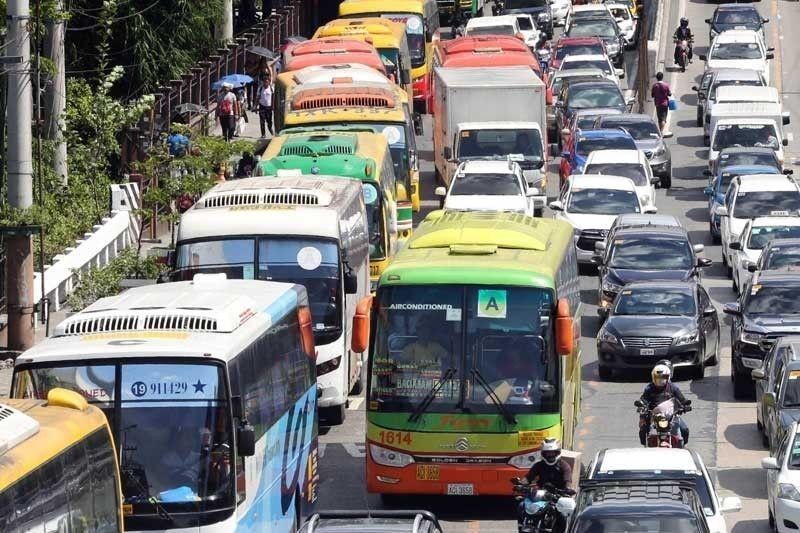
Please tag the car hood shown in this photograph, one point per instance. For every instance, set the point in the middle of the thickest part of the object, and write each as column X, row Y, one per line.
column 720, row 27
column 481, row 202
column 772, row 323
column 650, row 326
column 623, row 276
column 647, row 144
column 748, row 64
column 584, row 221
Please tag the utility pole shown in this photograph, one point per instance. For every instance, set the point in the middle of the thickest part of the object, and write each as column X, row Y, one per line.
column 19, row 261
column 55, row 96
column 225, row 28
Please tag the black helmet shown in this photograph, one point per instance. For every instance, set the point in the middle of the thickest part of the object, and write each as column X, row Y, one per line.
column 684, row 22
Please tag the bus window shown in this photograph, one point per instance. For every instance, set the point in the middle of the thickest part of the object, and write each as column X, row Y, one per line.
column 373, row 203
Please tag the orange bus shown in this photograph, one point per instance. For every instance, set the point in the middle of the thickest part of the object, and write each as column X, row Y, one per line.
column 333, row 51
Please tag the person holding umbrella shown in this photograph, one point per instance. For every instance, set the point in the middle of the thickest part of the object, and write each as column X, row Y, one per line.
column 227, row 111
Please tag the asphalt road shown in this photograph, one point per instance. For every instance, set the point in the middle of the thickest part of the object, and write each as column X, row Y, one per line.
column 722, row 430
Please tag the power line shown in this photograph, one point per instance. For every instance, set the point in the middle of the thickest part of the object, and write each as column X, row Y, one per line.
column 116, row 19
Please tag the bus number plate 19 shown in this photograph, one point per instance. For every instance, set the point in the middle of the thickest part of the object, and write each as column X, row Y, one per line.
column 427, row 472
column 460, row 489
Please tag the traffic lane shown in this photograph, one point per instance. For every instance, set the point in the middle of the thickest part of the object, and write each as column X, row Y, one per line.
column 784, row 19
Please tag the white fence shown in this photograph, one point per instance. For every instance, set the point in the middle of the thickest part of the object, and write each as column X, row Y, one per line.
column 97, row 248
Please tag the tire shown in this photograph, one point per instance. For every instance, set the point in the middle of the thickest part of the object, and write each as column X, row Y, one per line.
column 742, row 386
column 714, row 359
column 699, row 120
column 706, row 140
column 666, row 181
column 716, row 239
column 334, row 416
column 604, row 372
column 771, row 519
column 734, row 286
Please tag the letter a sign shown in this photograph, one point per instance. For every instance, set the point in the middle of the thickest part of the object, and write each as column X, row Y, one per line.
column 491, row 304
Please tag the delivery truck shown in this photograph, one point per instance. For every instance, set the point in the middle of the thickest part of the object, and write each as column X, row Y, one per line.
column 490, row 113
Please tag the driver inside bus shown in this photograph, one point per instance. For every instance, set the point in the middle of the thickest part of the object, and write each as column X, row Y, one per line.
column 425, row 350
column 182, row 462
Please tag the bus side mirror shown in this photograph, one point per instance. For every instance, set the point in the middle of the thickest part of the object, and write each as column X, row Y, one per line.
column 246, row 440
column 360, row 335
column 405, row 77
column 237, row 407
column 565, row 335
column 306, row 332
column 350, row 281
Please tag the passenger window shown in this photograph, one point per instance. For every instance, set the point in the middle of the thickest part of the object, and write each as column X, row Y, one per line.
column 778, row 366
column 705, row 301
column 779, row 381
column 27, row 508
column 79, row 488
column 56, row 506
column 106, row 502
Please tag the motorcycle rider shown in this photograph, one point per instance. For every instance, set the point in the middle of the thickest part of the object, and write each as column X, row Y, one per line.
column 552, row 472
column 660, row 390
column 683, row 33
column 457, row 22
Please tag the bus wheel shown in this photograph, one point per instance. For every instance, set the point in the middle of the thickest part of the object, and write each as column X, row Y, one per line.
column 334, row 416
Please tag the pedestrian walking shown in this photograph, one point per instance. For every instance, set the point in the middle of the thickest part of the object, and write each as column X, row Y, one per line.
column 265, row 106
column 241, row 98
column 661, row 93
column 227, row 111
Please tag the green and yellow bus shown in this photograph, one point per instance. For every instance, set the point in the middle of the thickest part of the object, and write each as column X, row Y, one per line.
column 474, row 354
column 360, row 155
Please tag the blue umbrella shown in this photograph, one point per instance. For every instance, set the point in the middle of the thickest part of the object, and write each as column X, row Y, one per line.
column 237, row 80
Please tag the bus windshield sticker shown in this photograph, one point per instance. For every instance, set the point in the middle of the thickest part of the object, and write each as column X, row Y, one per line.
column 370, row 193
column 248, row 272
column 491, row 304
column 309, row 258
column 453, row 314
column 170, row 382
column 392, row 134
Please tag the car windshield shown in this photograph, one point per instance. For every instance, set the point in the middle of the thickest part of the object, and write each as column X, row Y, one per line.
column 773, row 300
column 700, row 483
column 595, row 96
column 761, row 235
column 602, row 202
column 587, row 145
column 655, row 301
column 486, row 184
column 524, row 23
column 764, row 158
column 634, row 171
column 733, row 135
column 712, row 94
column 468, row 339
column 791, row 389
column 522, row 4
column 313, row 263
column 738, row 16
column 171, row 422
column 594, row 27
column 794, row 453
column 599, row 64
column 766, row 203
column 586, row 122
column 635, row 524
column 640, row 130
column 648, row 253
column 492, row 30
column 500, row 143
column 728, row 51
column 579, row 50
column 782, row 257
column 415, row 34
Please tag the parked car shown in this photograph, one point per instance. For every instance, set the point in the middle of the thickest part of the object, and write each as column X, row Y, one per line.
column 719, row 186
column 648, row 139
column 662, row 464
column 783, row 480
column 771, row 309
column 377, row 521
column 777, row 385
column 783, row 254
column 755, row 236
column 591, row 204
column 488, row 186
column 728, row 17
column 645, row 253
column 629, row 163
column 580, row 145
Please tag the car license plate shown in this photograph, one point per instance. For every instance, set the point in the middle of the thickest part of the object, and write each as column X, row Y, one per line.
column 427, row 472
column 647, row 351
column 460, row 489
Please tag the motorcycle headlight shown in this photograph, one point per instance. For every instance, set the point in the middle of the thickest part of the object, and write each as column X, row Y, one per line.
column 787, row 491
column 607, row 286
column 386, row 457
column 662, row 423
column 751, row 338
column 525, row 460
column 605, row 336
column 694, row 336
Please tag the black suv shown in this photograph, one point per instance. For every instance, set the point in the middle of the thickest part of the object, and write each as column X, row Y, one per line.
column 638, row 505
column 645, row 253
column 734, row 17
column 768, row 309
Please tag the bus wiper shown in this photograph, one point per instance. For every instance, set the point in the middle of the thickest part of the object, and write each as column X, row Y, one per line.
column 150, row 499
column 428, row 399
column 510, row 418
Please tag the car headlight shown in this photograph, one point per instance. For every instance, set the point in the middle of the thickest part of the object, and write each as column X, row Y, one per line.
column 661, row 150
column 525, row 460
column 751, row 338
column 689, row 338
column 787, row 491
column 605, row 336
column 607, row 286
column 386, row 457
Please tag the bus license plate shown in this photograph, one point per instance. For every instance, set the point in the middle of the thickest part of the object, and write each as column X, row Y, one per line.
column 460, row 489
column 427, row 473
column 647, row 351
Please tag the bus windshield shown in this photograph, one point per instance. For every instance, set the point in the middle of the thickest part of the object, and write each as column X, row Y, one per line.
column 474, row 339
column 309, row 261
column 171, row 422
column 415, row 33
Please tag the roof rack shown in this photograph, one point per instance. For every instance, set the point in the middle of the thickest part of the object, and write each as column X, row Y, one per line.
column 418, row 515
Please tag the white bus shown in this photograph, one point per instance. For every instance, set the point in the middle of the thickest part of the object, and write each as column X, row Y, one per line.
column 310, row 230
column 209, row 389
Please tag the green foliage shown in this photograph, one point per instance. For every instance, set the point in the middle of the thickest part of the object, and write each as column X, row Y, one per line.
column 106, row 281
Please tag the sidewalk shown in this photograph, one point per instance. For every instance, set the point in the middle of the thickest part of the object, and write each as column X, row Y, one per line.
column 252, row 132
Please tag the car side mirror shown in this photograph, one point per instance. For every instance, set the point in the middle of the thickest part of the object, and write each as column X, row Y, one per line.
column 709, row 311
column 359, row 341
column 650, row 210
column 350, row 281
column 556, row 205
column 786, row 118
column 770, row 463
column 603, row 312
column 764, row 21
column 732, row 308
column 553, row 150
column 620, row 73
column 707, row 173
column 768, row 399
column 752, row 267
column 655, row 180
column 735, row 245
column 758, row 373
column 698, row 248
column 770, row 55
column 447, row 153
column 704, row 262
column 667, row 135
column 788, row 171
column 708, row 21
column 702, row 57
column 246, row 440
column 785, row 142
column 695, row 88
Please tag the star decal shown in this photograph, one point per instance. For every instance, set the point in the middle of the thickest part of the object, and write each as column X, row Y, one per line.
column 199, row 387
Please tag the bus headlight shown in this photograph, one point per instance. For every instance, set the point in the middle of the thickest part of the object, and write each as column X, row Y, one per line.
column 525, row 460
column 329, row 366
column 386, row 457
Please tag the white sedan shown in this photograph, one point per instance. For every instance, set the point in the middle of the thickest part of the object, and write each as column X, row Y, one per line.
column 489, row 186
column 755, row 236
column 626, row 21
column 631, row 164
column 783, row 483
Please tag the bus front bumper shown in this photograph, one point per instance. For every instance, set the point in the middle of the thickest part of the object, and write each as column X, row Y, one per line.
column 468, row 479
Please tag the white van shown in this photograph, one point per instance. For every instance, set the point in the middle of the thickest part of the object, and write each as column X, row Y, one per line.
column 747, row 124
column 744, row 94
column 310, row 230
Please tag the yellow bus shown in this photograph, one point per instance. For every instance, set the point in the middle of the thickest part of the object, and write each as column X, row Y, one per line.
column 380, row 107
column 421, row 18
column 388, row 37
column 58, row 466
column 363, row 156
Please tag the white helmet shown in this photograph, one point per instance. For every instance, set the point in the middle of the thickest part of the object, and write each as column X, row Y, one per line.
column 551, row 451
column 661, row 375
column 565, row 506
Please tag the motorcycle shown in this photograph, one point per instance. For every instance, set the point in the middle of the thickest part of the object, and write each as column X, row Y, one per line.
column 664, row 430
column 498, row 7
column 682, row 53
column 543, row 54
column 542, row 507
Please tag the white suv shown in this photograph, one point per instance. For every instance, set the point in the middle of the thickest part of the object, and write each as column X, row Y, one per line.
column 631, row 164
column 655, row 464
column 489, row 186
column 748, row 197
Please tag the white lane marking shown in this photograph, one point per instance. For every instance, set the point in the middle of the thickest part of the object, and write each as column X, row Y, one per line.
column 355, row 449
column 355, row 403
column 321, row 449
